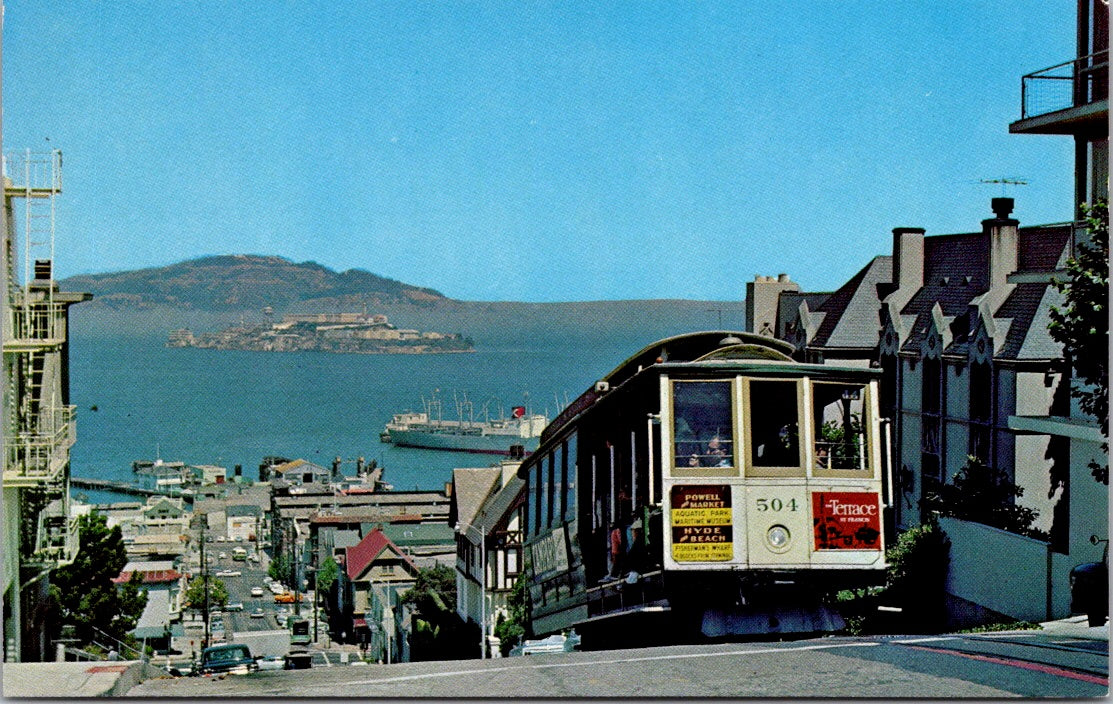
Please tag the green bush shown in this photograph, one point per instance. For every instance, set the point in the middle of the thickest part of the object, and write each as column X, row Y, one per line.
column 917, row 574
column 985, row 495
column 914, row 583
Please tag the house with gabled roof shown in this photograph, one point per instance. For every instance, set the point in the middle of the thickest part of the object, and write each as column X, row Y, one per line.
column 374, row 574
column 958, row 325
column 164, row 585
column 486, row 515
column 841, row 327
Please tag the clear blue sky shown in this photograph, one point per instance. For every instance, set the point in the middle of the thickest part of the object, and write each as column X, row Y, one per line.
column 537, row 151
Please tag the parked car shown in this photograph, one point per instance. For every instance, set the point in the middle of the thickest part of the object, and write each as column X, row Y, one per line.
column 234, row 658
column 557, row 643
column 1089, row 587
column 272, row 662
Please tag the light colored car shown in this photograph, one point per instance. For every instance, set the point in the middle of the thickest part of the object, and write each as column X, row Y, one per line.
column 223, row 556
column 229, row 573
column 272, row 662
column 258, row 613
column 256, row 591
column 557, row 643
column 234, row 606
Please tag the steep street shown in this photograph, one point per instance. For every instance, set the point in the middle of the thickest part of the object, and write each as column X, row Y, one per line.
column 1025, row 663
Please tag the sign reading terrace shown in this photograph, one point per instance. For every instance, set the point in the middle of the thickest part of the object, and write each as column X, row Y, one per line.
column 846, row 520
column 701, row 524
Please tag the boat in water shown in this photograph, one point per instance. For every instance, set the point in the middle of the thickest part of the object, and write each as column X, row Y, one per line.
column 499, row 436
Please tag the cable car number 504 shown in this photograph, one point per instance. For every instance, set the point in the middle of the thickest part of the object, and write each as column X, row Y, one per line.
column 775, row 505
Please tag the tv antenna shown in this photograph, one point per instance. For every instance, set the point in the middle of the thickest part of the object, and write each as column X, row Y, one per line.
column 1005, row 182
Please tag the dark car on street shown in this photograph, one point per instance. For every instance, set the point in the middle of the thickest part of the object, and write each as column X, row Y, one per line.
column 1089, row 587
column 231, row 658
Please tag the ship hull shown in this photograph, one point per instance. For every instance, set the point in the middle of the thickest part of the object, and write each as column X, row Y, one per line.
column 483, row 444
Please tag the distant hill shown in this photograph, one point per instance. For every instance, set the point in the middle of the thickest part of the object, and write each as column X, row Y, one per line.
column 211, row 293
column 239, row 282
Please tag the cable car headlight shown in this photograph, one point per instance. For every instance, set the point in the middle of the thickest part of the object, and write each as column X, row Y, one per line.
column 778, row 538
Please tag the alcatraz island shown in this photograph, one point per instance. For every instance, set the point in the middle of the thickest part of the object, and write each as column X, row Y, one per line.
column 351, row 333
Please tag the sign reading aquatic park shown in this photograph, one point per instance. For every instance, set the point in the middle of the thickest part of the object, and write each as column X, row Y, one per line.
column 846, row 520
column 701, row 523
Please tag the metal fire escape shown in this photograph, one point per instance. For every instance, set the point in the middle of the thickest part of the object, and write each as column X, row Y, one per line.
column 39, row 427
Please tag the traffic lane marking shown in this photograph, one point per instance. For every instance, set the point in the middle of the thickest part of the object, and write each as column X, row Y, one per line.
column 1022, row 664
column 614, row 661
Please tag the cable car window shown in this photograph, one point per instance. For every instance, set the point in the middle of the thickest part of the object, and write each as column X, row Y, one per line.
column 550, row 489
column 703, row 424
column 774, row 417
column 570, row 474
column 537, row 496
column 839, row 420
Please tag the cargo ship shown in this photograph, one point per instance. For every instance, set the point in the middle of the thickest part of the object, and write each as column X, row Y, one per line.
column 500, row 436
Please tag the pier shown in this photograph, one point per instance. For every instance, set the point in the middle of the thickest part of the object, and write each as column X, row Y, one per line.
column 119, row 487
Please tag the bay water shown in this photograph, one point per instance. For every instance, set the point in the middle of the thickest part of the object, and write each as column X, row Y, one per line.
column 137, row 399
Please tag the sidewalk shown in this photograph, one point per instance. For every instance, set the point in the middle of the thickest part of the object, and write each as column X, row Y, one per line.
column 1076, row 627
column 64, row 680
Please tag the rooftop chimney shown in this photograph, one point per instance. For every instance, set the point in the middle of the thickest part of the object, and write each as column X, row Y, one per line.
column 908, row 259
column 762, row 297
column 1002, row 234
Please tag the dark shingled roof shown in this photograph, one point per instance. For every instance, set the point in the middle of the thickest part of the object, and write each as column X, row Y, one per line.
column 956, row 272
column 853, row 311
column 1043, row 248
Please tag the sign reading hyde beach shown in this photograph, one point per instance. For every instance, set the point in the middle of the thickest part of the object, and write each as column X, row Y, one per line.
column 701, row 524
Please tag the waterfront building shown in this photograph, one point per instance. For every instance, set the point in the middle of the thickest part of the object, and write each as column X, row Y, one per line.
column 38, row 532
column 243, row 521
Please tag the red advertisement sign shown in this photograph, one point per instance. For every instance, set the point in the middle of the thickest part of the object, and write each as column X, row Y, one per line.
column 846, row 520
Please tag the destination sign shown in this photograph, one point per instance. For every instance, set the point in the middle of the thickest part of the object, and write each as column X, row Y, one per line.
column 846, row 520
column 702, row 529
column 550, row 554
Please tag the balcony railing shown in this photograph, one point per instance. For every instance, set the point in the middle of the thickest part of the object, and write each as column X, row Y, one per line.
column 1070, row 84
column 35, row 324
column 40, row 456
column 57, row 538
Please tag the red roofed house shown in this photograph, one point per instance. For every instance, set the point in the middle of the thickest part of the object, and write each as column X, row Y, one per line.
column 164, row 586
column 373, row 576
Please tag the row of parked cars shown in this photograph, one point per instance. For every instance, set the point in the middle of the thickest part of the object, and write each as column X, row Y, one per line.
column 236, row 659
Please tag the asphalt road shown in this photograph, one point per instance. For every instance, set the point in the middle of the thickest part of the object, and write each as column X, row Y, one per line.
column 1026, row 664
column 266, row 635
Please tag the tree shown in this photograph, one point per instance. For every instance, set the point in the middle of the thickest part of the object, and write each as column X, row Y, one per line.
column 194, row 594
column 83, row 594
column 327, row 575
column 279, row 569
column 439, row 633
column 1082, row 325
column 513, row 627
